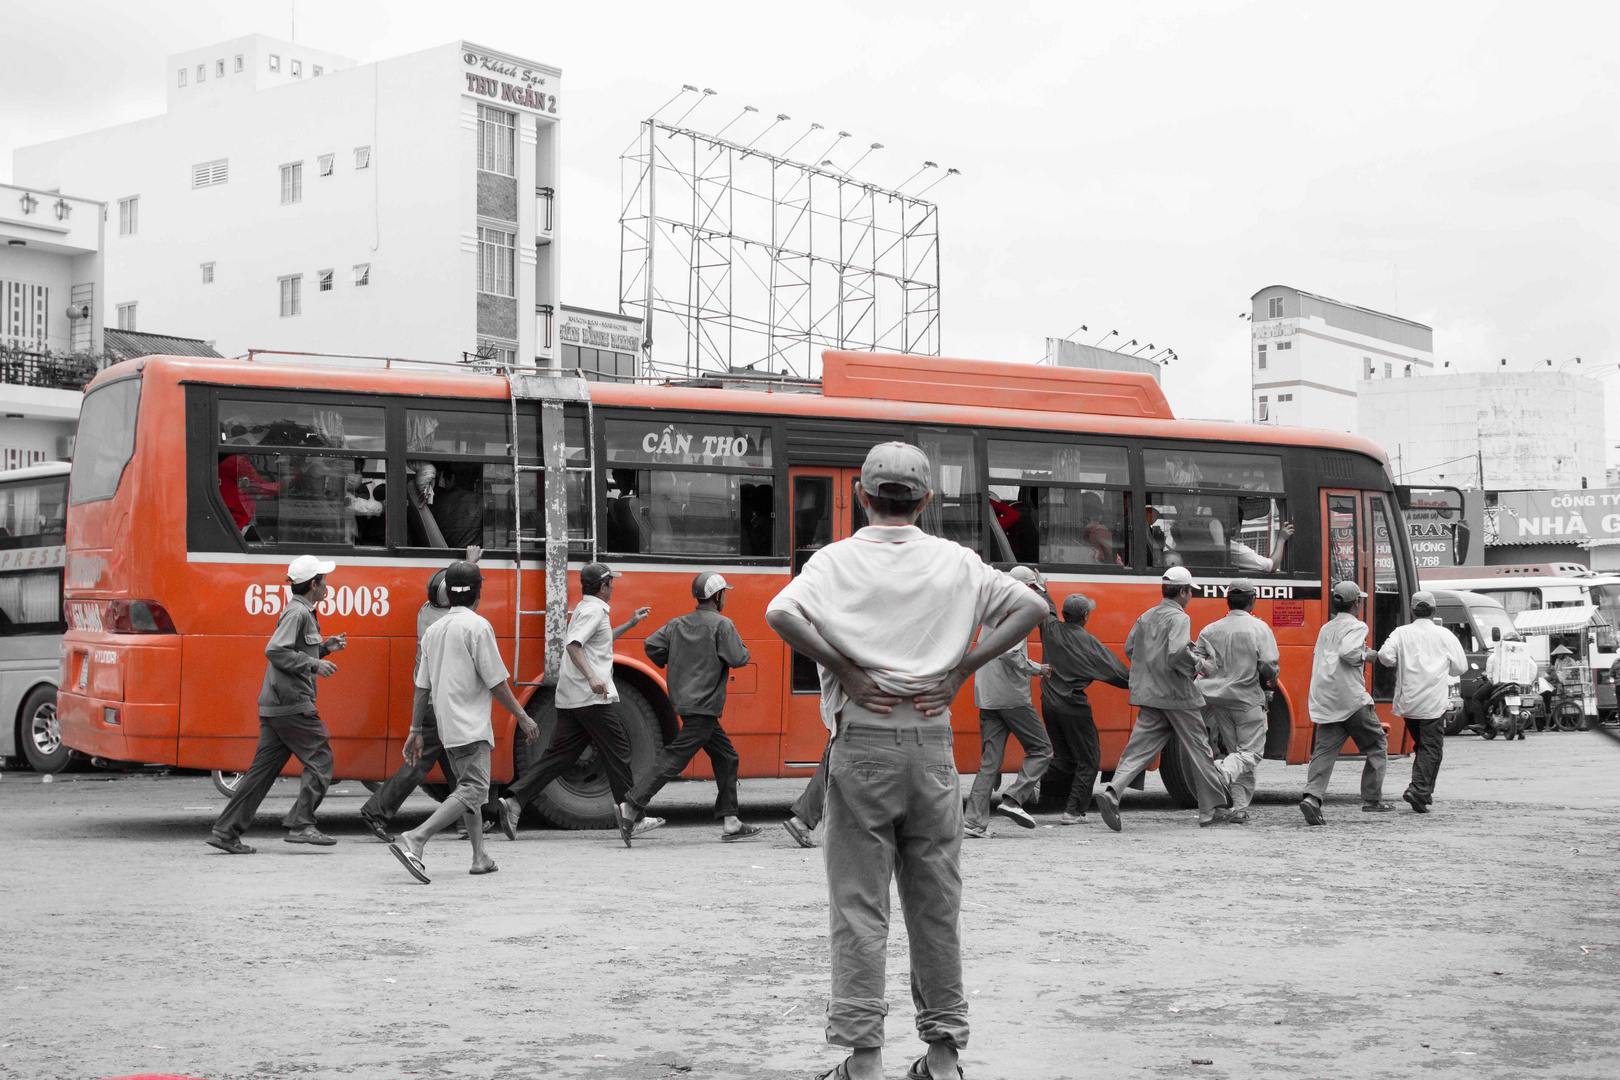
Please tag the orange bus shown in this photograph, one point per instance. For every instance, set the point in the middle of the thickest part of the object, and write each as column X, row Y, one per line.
column 196, row 481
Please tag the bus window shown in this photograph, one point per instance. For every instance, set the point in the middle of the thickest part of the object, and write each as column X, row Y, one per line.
column 1389, row 590
column 105, row 441
column 297, row 473
column 956, row 510
column 1516, row 600
column 31, row 602
column 692, row 489
column 462, row 481
column 1343, row 548
column 1209, row 510
column 1062, row 505
column 33, row 512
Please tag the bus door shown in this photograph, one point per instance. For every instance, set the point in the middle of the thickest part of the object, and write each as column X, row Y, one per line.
column 823, row 510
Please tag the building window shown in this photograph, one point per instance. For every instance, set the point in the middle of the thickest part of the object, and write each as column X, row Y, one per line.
column 497, row 140
column 275, row 62
column 362, row 274
column 219, row 69
column 1366, row 367
column 362, row 157
column 1285, row 397
column 1262, row 362
column 129, row 216
column 208, row 273
column 210, row 173
column 1264, row 399
column 298, row 69
column 315, row 71
column 497, row 255
column 324, row 165
column 1389, row 370
column 325, row 279
column 202, row 72
column 126, row 316
column 182, row 76
column 238, row 61
column 292, row 183
column 292, row 295
column 1274, row 307
column 1284, row 345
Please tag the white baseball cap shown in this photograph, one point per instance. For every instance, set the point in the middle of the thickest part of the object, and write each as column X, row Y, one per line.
column 1027, row 574
column 306, row 567
column 1178, row 575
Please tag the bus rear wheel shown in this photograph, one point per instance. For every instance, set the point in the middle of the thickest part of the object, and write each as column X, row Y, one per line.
column 1176, row 773
column 40, row 733
column 580, row 798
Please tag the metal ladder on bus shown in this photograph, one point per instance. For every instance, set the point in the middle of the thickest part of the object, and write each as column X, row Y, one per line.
column 553, row 392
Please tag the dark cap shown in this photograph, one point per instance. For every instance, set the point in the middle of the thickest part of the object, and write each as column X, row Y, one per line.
column 591, row 575
column 1076, row 605
column 436, row 594
column 461, row 578
column 897, row 463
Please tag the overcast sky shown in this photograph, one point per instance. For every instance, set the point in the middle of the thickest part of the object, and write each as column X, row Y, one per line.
column 1140, row 167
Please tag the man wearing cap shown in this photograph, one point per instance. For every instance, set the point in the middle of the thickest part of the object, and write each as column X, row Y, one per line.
column 1426, row 657
column 1244, row 654
column 1074, row 659
column 890, row 615
column 584, row 700
column 698, row 650
column 288, row 723
column 1341, row 708
column 459, row 669
column 1163, row 667
column 1002, row 694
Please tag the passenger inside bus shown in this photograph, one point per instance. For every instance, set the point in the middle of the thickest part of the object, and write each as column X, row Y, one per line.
column 241, row 487
column 458, row 504
column 625, row 513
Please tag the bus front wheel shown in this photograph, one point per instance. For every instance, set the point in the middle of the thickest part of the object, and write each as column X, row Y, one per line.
column 580, row 798
column 40, row 733
column 1176, row 773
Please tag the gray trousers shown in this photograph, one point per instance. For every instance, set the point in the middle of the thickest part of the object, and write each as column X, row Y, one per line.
column 1241, row 731
column 280, row 738
column 894, row 810
column 1151, row 734
column 994, row 727
column 1362, row 726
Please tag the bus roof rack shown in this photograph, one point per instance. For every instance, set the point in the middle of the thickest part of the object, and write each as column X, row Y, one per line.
column 939, row 380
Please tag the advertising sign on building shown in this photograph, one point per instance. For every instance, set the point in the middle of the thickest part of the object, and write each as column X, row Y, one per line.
column 505, row 80
column 1551, row 517
column 599, row 330
column 1442, row 527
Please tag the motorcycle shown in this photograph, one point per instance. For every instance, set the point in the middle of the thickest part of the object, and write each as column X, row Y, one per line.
column 1511, row 710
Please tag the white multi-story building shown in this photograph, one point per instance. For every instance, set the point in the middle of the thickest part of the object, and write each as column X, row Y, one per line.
column 292, row 199
column 1500, row 430
column 1307, row 354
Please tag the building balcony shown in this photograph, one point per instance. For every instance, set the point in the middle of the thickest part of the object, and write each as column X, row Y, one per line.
column 45, row 370
column 543, row 200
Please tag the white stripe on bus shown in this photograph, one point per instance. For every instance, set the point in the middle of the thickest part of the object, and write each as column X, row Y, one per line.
column 233, row 558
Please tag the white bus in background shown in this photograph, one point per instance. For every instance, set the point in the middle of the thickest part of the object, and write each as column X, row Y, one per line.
column 1538, row 586
column 33, row 549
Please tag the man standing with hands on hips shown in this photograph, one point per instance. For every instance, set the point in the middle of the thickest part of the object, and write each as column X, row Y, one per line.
column 1425, row 657
column 889, row 616
column 585, row 699
column 288, row 722
column 1341, row 708
column 1169, row 704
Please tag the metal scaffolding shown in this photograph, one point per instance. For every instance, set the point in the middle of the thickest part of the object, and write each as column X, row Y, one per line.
column 738, row 259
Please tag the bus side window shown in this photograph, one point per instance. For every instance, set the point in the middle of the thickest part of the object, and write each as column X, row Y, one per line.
column 955, row 512
column 1062, row 505
column 302, row 472
column 1216, row 510
column 462, row 483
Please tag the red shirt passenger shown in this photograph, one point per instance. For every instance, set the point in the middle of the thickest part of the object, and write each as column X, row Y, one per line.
column 239, row 485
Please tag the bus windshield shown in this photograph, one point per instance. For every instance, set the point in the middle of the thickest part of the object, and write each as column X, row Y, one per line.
column 1607, row 599
column 106, row 440
column 1488, row 617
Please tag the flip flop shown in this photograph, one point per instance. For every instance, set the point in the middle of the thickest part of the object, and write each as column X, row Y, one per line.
column 800, row 834
column 411, row 862
column 741, row 834
column 919, row 1070
column 490, row 869
column 839, row 1071
column 626, row 826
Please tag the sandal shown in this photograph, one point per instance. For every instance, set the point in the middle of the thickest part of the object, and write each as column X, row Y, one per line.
column 839, row 1071
column 919, row 1070
column 741, row 834
column 410, row 861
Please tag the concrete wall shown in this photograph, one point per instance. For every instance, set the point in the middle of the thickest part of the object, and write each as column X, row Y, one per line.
column 412, row 215
column 1532, row 429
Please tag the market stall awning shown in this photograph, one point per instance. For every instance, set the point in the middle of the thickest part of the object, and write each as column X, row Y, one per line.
column 1558, row 620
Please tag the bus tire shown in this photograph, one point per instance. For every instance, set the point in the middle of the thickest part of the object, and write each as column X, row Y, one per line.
column 580, row 797
column 1176, row 774
column 40, row 734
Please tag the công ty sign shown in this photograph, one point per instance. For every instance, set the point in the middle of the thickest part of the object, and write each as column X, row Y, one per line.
column 1543, row 517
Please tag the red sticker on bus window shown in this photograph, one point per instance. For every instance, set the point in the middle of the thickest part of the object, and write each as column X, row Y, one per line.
column 1287, row 613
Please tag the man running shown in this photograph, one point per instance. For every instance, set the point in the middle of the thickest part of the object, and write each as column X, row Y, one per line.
column 459, row 667
column 1341, row 708
column 1001, row 692
column 288, row 723
column 890, row 616
column 1074, row 660
column 1425, row 656
column 699, row 650
column 1244, row 653
column 1163, row 666
column 584, row 700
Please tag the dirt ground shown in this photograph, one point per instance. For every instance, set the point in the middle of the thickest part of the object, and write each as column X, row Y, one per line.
column 1480, row 941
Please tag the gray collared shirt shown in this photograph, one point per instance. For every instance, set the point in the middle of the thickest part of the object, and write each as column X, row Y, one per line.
column 1238, row 645
column 1160, row 651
